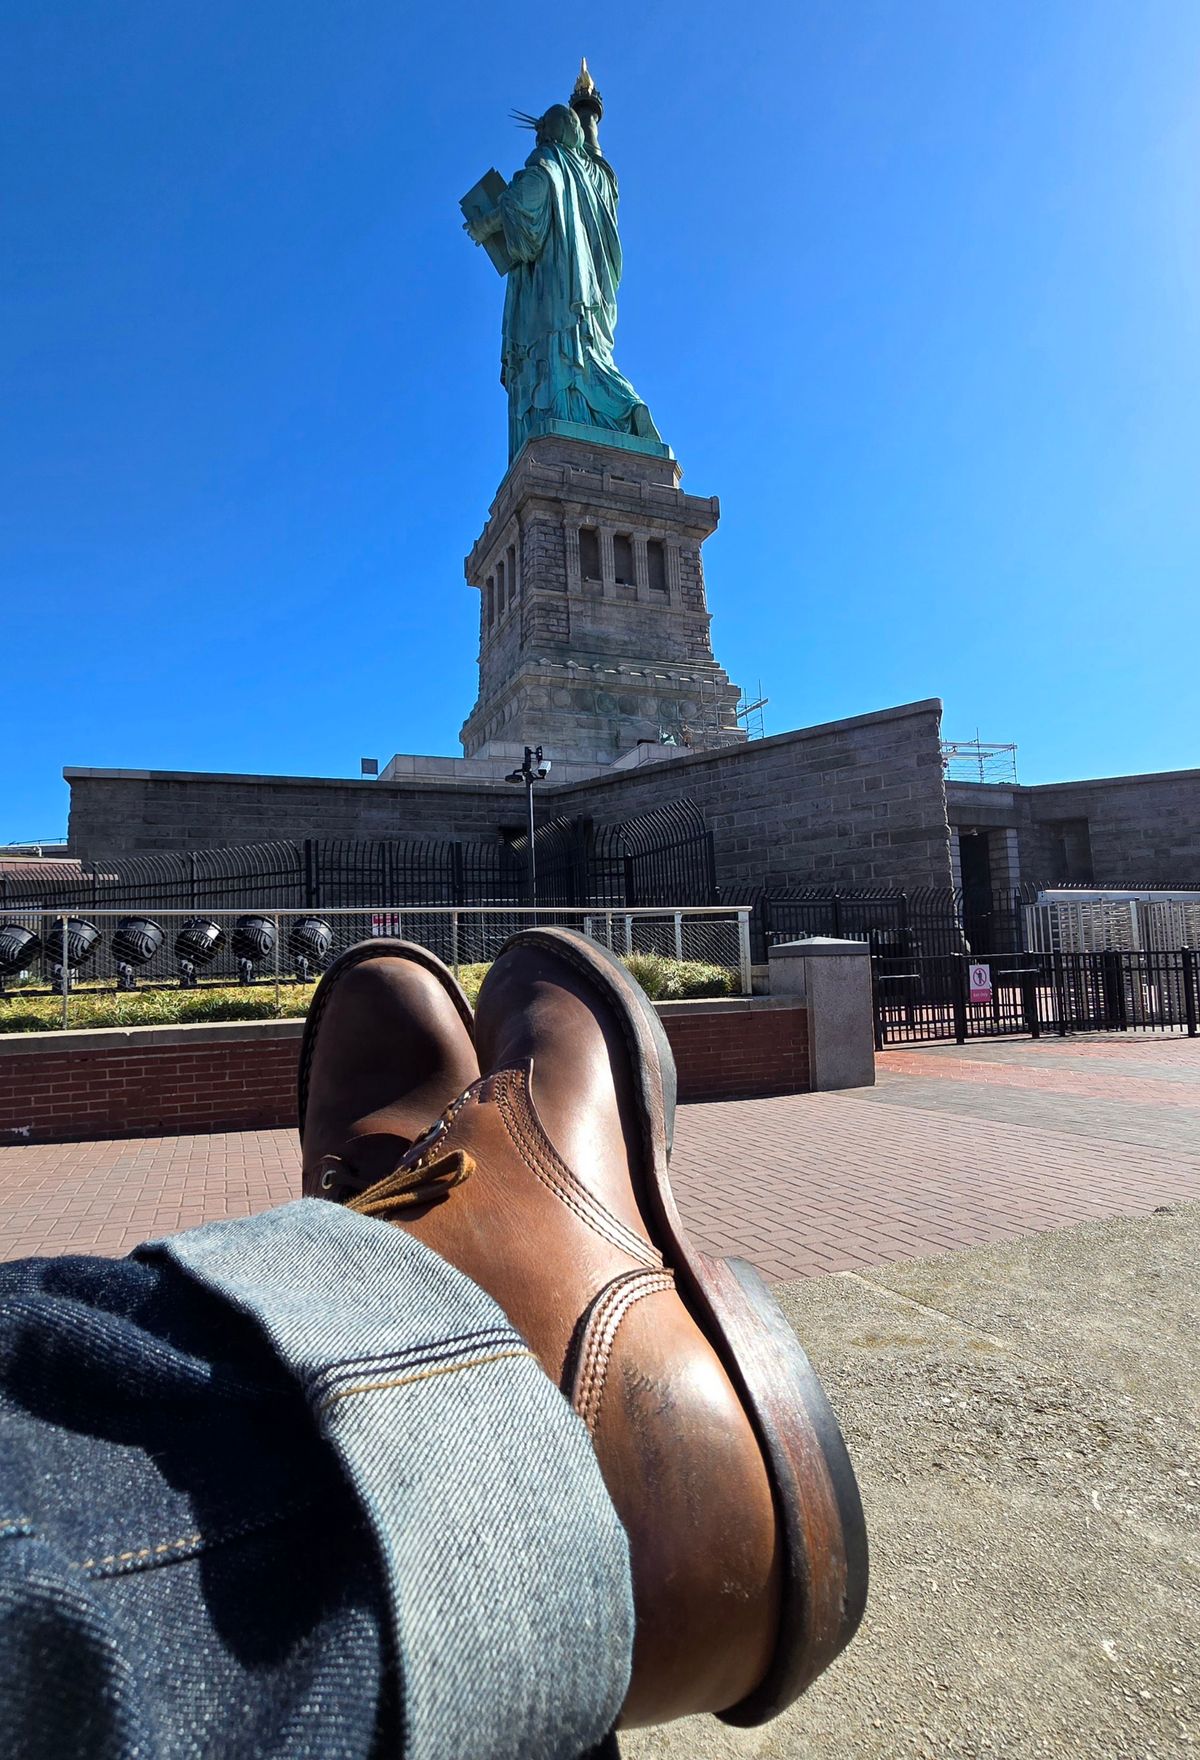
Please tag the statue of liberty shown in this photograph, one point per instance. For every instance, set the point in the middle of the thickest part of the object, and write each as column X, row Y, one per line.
column 553, row 233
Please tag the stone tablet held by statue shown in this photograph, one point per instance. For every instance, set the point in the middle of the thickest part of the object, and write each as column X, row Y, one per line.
column 480, row 201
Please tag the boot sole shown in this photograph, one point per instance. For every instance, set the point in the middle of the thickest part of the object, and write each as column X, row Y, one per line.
column 825, row 1573
column 379, row 947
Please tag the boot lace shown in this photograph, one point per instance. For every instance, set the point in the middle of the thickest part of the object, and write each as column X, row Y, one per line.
column 430, row 1178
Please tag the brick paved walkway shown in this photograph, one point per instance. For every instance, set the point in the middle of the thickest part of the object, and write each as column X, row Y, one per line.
column 954, row 1146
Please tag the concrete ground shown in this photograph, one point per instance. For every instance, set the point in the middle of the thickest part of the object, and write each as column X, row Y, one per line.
column 1021, row 1406
column 1026, row 1429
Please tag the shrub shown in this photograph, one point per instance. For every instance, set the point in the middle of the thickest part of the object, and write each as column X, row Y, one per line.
column 676, row 980
column 650, row 970
column 697, row 977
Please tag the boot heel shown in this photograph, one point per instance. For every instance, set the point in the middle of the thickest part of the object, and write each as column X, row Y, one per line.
column 820, row 1512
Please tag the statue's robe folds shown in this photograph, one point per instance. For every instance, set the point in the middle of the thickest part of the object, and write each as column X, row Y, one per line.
column 560, row 308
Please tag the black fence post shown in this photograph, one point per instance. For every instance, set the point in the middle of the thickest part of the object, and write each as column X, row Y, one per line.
column 194, row 901
column 629, row 879
column 1029, row 1004
column 960, row 997
column 579, row 863
column 586, row 881
column 458, row 883
column 1058, row 975
column 1189, row 989
column 1113, row 990
column 310, row 876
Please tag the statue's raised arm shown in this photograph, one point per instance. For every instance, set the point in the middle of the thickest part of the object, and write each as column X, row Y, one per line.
column 558, row 222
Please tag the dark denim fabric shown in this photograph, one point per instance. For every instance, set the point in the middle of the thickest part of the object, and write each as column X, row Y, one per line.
column 187, row 1567
column 183, row 1570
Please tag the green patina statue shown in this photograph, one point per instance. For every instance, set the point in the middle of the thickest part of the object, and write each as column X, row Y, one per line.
column 553, row 233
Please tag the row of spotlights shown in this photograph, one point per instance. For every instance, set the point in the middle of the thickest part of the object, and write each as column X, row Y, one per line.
column 136, row 940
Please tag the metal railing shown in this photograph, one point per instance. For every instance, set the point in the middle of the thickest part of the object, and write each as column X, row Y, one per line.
column 924, row 922
column 923, row 999
column 114, row 952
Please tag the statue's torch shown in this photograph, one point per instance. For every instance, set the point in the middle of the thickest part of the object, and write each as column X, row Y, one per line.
column 586, row 103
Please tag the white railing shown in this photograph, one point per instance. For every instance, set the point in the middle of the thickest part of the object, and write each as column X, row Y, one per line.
column 1099, row 923
column 268, row 948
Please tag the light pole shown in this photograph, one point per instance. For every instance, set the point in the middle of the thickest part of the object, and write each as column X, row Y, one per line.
column 534, row 769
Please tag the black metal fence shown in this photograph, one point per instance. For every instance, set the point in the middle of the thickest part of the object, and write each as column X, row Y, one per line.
column 930, row 921
column 922, row 999
column 923, row 943
column 664, row 857
column 919, row 923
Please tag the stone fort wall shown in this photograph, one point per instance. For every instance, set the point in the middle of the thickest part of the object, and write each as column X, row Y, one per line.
column 139, row 812
column 1138, row 827
column 1116, row 829
column 859, row 801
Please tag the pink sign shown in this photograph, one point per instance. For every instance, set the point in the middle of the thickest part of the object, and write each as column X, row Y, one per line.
column 981, row 983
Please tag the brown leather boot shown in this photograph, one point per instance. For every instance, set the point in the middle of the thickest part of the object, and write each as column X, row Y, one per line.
column 387, row 1046
column 547, row 1183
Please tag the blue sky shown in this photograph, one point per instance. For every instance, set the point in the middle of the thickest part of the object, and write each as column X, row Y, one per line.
column 913, row 287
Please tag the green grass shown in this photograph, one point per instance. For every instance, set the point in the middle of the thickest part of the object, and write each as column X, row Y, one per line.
column 663, row 979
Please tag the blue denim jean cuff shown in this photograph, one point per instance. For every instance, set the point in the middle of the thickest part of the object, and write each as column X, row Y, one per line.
column 506, row 1567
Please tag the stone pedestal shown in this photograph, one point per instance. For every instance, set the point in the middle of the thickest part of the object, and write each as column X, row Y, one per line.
column 832, row 978
column 593, row 632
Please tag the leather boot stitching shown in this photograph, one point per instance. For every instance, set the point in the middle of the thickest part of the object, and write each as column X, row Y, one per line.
column 547, row 1166
column 600, row 1335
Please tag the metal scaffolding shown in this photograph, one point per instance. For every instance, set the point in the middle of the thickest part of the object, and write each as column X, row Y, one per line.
column 978, row 760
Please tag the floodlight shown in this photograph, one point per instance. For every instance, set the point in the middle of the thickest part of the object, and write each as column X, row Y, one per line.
column 309, row 940
column 197, row 944
column 19, row 947
column 81, row 940
column 253, row 942
column 135, row 942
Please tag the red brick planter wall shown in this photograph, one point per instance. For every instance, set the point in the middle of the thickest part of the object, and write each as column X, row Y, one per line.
column 734, row 1050
column 168, row 1081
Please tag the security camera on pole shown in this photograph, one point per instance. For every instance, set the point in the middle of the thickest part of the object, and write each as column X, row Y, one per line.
column 534, row 769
